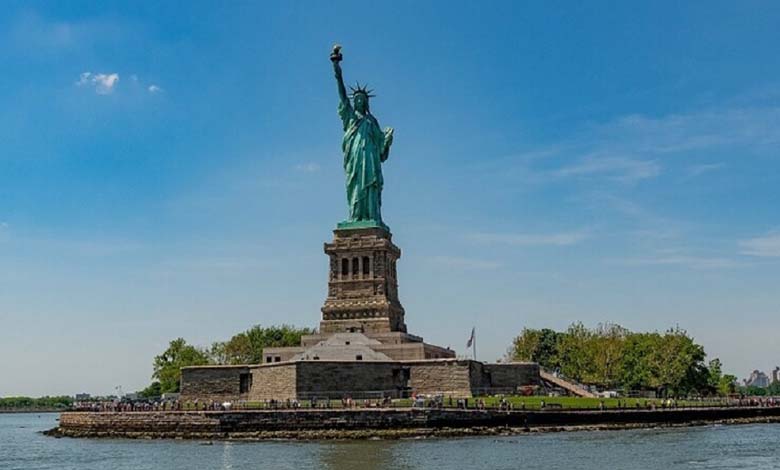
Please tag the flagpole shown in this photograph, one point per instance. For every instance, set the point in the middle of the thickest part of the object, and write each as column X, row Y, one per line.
column 474, row 344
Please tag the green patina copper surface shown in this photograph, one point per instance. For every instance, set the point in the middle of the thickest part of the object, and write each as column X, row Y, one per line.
column 365, row 146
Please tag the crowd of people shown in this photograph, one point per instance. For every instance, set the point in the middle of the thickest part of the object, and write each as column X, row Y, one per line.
column 501, row 403
column 118, row 406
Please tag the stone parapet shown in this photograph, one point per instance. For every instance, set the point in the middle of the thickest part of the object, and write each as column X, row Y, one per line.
column 274, row 382
column 334, row 380
column 451, row 378
column 215, row 383
column 510, row 376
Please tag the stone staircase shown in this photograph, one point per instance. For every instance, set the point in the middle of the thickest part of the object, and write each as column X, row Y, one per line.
column 571, row 387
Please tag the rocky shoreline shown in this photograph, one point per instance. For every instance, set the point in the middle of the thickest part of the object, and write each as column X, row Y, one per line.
column 387, row 434
column 383, row 424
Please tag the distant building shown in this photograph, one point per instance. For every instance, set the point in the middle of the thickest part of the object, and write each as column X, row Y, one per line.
column 83, row 396
column 776, row 375
column 758, row 379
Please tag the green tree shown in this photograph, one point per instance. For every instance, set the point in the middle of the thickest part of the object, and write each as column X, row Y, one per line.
column 773, row 389
column 537, row 346
column 546, row 352
column 35, row 403
column 167, row 366
column 576, row 354
column 247, row 347
column 682, row 368
column 716, row 373
column 243, row 348
column 524, row 345
column 611, row 356
column 607, row 345
column 718, row 382
column 217, row 353
column 236, row 350
column 152, row 391
column 753, row 391
column 640, row 363
column 728, row 385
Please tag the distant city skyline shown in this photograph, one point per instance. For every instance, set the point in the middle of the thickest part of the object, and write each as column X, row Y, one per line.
column 172, row 170
column 757, row 379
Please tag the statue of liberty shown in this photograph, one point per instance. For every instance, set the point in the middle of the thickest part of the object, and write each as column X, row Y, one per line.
column 365, row 147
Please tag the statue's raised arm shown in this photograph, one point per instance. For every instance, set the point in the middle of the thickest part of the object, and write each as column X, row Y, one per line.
column 335, row 57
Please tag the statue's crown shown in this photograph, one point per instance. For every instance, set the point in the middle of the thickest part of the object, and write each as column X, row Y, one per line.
column 361, row 89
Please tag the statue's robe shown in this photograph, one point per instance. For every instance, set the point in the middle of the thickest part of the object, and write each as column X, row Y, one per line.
column 364, row 151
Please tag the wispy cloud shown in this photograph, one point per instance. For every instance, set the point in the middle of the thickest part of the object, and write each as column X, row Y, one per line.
column 464, row 263
column 82, row 247
column 767, row 246
column 694, row 262
column 617, row 168
column 647, row 223
column 103, row 83
column 697, row 170
column 29, row 30
column 751, row 126
column 152, row 88
column 635, row 148
column 527, row 239
column 32, row 34
column 208, row 265
column 309, row 167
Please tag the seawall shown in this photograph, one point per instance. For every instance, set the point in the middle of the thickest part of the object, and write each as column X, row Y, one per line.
column 387, row 423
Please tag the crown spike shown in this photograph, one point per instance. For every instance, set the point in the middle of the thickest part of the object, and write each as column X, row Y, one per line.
column 358, row 88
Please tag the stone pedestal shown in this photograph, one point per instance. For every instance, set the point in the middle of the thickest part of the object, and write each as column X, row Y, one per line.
column 362, row 284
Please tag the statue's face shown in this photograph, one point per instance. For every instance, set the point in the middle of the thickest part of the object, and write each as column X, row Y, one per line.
column 360, row 102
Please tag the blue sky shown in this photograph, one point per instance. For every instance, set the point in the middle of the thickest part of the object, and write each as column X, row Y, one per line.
column 172, row 169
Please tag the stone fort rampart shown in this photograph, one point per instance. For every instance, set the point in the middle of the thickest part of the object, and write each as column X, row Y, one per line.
column 333, row 379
